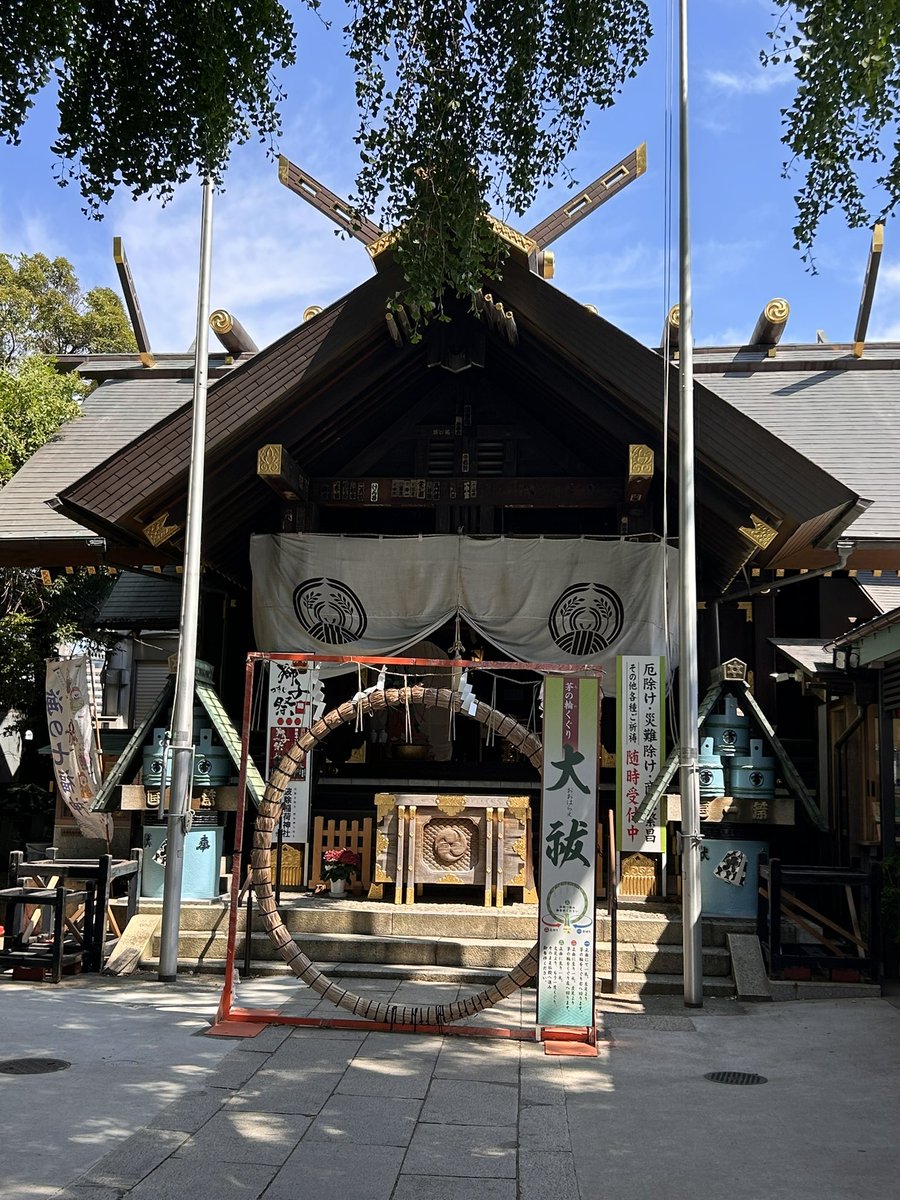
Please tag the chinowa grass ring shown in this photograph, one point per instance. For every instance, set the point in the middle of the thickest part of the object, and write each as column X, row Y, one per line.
column 269, row 814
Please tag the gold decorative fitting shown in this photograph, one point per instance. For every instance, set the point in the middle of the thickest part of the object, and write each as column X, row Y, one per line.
column 451, row 805
column 548, row 264
column 519, row 879
column 449, row 879
column 519, row 807
column 311, row 311
column 640, row 159
column 383, row 842
column 284, row 168
column 268, row 459
column 593, row 309
column 221, row 321
column 638, row 876
column 760, row 533
column 518, row 240
column 777, row 310
column 381, row 876
column 675, row 315
column 381, row 244
column 158, row 531
column 385, row 803
column 638, row 865
column 518, row 847
column 640, row 461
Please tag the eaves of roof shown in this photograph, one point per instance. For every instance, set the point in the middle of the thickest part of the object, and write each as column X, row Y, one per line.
column 875, row 625
column 323, row 347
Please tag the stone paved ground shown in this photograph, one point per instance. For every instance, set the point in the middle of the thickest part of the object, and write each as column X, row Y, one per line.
column 320, row 1114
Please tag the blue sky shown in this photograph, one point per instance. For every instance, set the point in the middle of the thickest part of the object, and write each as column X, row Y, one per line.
column 273, row 255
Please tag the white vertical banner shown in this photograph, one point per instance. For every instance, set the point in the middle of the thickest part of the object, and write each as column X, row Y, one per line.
column 293, row 699
column 76, row 764
column 640, row 749
column 568, row 851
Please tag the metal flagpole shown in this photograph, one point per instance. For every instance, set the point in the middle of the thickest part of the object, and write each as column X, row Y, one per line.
column 687, row 592
column 179, row 812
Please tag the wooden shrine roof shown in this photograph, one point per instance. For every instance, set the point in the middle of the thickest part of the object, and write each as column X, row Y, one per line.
column 332, row 386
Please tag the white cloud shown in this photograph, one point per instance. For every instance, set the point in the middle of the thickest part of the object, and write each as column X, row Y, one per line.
column 715, row 260
column 889, row 278
column 637, row 268
column 885, row 331
column 730, row 336
column 714, row 123
column 273, row 256
column 747, row 83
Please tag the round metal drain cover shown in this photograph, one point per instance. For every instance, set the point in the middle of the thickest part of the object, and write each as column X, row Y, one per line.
column 744, row 1077
column 32, row 1066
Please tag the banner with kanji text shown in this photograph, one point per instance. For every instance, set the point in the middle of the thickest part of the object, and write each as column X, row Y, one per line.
column 568, row 851
column 294, row 703
column 76, row 763
column 640, row 748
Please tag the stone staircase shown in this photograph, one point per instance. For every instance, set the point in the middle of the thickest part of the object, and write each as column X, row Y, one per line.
column 356, row 938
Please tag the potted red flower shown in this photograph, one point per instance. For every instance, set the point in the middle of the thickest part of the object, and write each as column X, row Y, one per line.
column 339, row 867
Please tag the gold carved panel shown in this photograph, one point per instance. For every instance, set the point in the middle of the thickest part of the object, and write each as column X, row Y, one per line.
column 640, row 461
column 268, row 459
column 451, row 805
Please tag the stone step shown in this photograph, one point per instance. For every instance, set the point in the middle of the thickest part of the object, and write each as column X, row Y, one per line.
column 499, row 953
column 629, row 983
column 638, row 984
column 321, row 915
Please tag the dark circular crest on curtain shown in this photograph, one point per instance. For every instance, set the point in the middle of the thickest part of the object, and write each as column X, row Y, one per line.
column 329, row 611
column 586, row 619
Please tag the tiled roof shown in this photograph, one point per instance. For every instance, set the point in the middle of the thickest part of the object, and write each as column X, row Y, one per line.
column 112, row 416
column 807, row 653
column 848, row 422
column 789, row 356
column 882, row 590
column 143, row 601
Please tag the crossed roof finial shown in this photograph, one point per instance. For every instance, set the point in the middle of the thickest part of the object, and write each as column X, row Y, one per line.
column 532, row 245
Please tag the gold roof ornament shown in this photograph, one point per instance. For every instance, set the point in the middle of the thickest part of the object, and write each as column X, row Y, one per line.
column 759, row 532
column 158, row 531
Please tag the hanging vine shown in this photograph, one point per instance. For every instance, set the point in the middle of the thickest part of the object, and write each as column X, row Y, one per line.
column 842, row 128
column 464, row 104
column 469, row 106
column 149, row 92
